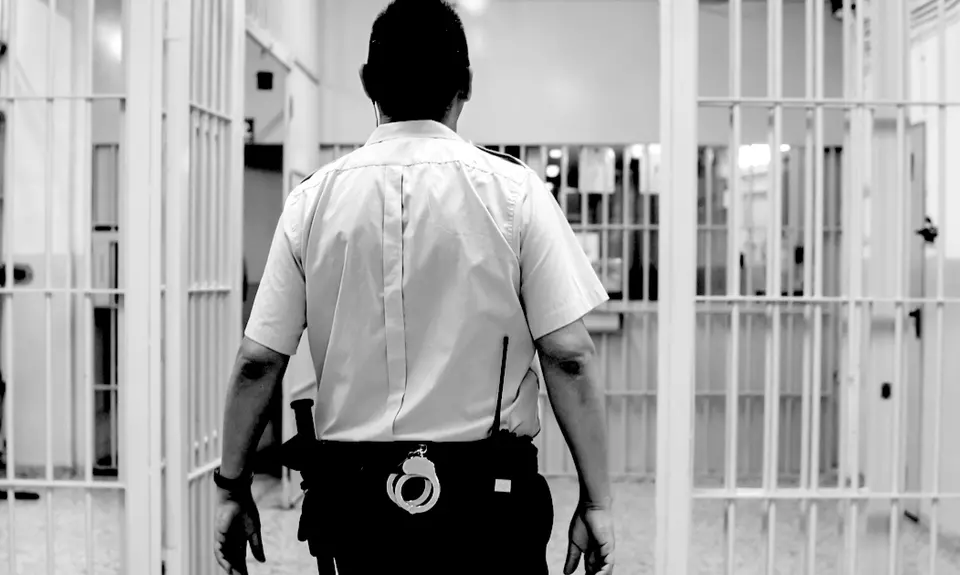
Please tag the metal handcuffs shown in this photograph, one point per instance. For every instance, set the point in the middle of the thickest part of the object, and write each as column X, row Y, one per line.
column 416, row 466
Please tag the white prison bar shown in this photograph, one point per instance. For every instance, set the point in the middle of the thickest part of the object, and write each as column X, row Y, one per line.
column 810, row 408
column 49, row 484
column 897, row 17
column 62, row 97
column 771, row 412
column 51, row 46
column 841, row 494
column 941, row 257
column 8, row 420
column 821, row 102
column 822, row 299
column 677, row 260
column 733, row 282
column 850, row 462
column 87, row 301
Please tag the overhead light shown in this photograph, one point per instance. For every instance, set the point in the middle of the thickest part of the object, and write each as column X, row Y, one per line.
column 836, row 6
column 473, row 6
column 784, row 148
column 556, row 153
column 553, row 171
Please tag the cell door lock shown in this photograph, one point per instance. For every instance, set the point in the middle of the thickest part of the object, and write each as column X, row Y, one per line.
column 917, row 315
column 928, row 232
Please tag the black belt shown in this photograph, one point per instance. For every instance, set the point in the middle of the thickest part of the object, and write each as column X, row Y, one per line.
column 502, row 453
column 488, row 464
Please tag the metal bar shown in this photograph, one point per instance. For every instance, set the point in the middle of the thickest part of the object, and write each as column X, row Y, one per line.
column 823, row 300
column 854, row 290
column 48, row 272
column 60, row 484
column 820, row 102
column 774, row 226
column 206, row 73
column 234, row 166
column 217, row 99
column 87, row 322
column 677, row 261
column 141, row 134
column 810, row 408
column 9, row 203
column 733, row 394
column 832, row 494
column 900, row 232
column 941, row 257
column 207, row 110
column 177, row 237
column 63, row 97
column 626, row 179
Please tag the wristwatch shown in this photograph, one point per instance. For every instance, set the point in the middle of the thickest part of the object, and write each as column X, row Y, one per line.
column 239, row 485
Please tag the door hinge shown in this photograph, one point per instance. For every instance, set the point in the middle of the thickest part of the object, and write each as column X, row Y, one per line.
column 917, row 315
column 928, row 232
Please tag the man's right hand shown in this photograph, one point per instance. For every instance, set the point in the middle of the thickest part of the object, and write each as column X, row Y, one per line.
column 591, row 535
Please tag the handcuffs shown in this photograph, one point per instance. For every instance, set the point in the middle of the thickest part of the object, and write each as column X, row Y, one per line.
column 415, row 466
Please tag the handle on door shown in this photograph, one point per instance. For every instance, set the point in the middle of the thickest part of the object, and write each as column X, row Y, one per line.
column 928, row 232
column 917, row 315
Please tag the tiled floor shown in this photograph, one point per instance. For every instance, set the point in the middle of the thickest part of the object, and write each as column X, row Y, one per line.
column 635, row 520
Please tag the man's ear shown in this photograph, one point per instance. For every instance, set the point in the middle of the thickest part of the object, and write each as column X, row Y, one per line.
column 367, row 82
column 467, row 91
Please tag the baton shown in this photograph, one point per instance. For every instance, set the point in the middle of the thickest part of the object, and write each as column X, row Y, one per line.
column 296, row 456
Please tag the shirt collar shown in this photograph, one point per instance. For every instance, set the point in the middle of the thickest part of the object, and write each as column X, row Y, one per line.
column 413, row 129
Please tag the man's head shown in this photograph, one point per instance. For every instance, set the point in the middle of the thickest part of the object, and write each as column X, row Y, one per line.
column 418, row 65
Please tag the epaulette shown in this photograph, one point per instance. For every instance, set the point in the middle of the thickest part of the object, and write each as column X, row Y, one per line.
column 312, row 174
column 502, row 156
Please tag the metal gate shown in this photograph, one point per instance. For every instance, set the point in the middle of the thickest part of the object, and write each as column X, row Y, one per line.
column 889, row 330
column 121, row 171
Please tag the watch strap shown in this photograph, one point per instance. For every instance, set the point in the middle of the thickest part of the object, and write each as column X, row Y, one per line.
column 236, row 485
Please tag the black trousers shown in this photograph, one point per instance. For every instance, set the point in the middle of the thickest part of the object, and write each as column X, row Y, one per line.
column 473, row 528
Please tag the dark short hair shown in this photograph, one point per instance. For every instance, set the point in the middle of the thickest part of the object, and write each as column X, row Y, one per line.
column 417, row 60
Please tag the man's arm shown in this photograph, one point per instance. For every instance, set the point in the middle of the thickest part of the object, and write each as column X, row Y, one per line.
column 567, row 358
column 271, row 336
column 558, row 286
column 256, row 375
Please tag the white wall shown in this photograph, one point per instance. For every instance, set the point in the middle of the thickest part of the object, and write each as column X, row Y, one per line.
column 582, row 71
column 265, row 106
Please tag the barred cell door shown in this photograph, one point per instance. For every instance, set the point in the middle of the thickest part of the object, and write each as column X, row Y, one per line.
column 120, row 279
column 892, row 64
column 203, row 242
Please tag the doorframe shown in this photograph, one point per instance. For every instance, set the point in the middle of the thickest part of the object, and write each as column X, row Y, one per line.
column 914, row 462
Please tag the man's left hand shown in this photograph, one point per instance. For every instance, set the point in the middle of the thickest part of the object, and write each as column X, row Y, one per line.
column 237, row 523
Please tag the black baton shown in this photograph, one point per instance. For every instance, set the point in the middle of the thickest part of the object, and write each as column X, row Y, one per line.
column 297, row 454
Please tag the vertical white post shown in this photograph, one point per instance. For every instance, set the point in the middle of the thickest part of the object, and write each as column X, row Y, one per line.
column 678, row 257
column 236, row 19
column 887, row 230
column 141, row 184
column 177, row 145
column 734, row 246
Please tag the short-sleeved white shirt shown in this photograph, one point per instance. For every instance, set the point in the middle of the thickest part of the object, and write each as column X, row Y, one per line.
column 407, row 262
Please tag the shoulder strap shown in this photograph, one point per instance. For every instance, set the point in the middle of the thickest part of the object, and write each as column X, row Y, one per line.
column 500, row 155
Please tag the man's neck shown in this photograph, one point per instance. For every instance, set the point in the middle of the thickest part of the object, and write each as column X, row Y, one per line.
column 449, row 121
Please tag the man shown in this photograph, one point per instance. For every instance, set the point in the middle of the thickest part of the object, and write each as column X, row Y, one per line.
column 427, row 273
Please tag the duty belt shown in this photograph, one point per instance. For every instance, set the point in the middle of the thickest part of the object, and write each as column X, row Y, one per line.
column 323, row 464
